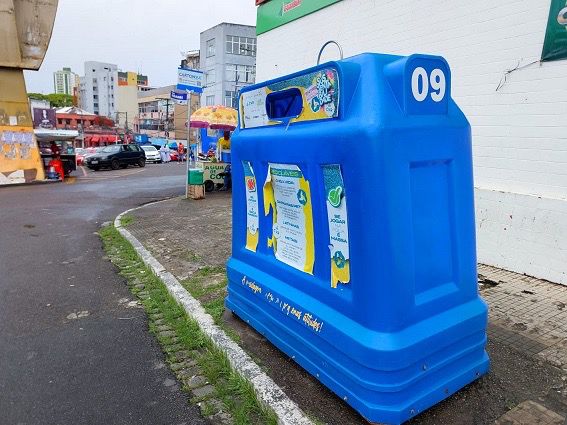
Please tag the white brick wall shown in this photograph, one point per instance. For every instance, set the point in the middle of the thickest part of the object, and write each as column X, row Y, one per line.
column 519, row 131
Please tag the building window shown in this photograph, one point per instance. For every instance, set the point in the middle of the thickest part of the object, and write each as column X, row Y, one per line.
column 240, row 45
column 95, row 105
column 95, row 96
column 210, row 77
column 210, row 48
column 210, row 100
column 229, row 99
column 244, row 74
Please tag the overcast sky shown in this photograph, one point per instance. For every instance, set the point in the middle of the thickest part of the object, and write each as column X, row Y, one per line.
column 142, row 35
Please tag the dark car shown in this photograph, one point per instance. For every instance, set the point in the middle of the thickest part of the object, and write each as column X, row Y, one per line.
column 116, row 156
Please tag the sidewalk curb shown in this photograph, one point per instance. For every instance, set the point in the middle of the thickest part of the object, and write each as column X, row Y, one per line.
column 32, row 183
column 268, row 392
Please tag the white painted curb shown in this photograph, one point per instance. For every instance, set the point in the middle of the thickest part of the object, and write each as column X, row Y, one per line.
column 268, row 392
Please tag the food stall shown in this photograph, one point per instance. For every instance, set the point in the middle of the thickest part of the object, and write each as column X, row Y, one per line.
column 215, row 165
column 65, row 142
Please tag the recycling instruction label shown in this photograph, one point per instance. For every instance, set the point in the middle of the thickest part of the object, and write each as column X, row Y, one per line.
column 288, row 197
column 338, row 224
column 252, row 218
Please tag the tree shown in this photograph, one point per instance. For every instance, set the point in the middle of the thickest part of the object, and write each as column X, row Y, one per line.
column 37, row 96
column 56, row 100
column 60, row 100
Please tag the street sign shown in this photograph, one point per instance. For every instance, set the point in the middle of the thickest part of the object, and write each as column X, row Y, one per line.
column 179, row 98
column 190, row 79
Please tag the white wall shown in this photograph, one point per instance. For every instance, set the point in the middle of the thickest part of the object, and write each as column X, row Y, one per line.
column 519, row 131
column 126, row 102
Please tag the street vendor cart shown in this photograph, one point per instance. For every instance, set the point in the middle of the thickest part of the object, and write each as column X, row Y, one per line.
column 217, row 118
column 65, row 142
column 211, row 170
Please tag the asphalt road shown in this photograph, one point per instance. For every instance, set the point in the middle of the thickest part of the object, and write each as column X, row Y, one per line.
column 71, row 349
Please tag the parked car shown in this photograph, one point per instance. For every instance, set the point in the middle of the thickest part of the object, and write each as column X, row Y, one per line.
column 152, row 154
column 80, row 155
column 116, row 156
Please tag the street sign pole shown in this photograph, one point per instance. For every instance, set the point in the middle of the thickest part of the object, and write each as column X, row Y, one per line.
column 189, row 93
column 189, row 80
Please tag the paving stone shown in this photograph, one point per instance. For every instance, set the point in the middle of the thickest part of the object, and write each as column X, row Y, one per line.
column 159, row 321
column 196, row 381
column 182, row 355
column 205, row 391
column 165, row 334
column 217, row 404
column 162, row 328
column 178, row 366
column 222, row 418
column 187, row 372
column 526, row 313
column 528, row 413
column 174, row 348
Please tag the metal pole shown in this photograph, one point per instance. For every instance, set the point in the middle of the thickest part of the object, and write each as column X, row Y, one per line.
column 189, row 93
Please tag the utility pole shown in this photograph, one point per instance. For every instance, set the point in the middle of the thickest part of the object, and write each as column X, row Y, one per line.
column 166, row 123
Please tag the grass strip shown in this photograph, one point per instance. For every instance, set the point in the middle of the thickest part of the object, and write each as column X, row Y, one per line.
column 235, row 392
column 210, row 295
column 126, row 219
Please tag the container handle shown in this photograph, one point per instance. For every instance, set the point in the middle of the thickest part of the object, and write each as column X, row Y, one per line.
column 325, row 45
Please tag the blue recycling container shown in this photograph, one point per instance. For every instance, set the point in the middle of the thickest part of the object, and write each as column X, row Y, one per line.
column 353, row 246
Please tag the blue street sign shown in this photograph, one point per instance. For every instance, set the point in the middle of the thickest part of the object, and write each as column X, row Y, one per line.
column 180, row 98
column 190, row 79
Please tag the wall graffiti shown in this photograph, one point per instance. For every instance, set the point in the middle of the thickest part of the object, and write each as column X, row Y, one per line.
column 20, row 160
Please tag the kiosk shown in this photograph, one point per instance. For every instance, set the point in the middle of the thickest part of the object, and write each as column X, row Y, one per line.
column 353, row 246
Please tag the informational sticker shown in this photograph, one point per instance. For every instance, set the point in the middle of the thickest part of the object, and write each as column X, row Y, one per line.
column 253, row 108
column 287, row 195
column 251, row 207
column 338, row 224
column 319, row 90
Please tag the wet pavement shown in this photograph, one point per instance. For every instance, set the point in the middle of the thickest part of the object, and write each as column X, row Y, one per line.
column 72, row 349
column 526, row 334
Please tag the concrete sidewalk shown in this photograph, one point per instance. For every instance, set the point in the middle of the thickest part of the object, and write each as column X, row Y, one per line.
column 527, row 330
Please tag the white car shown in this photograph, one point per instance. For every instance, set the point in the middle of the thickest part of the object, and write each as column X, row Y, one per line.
column 152, row 154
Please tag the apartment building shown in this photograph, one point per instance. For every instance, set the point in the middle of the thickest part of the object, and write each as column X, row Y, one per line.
column 228, row 59
column 98, row 88
column 65, row 81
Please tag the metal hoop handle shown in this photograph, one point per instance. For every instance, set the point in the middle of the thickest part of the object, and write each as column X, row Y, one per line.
column 325, row 45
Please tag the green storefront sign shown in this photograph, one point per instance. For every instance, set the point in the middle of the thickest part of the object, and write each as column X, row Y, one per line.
column 275, row 13
column 555, row 43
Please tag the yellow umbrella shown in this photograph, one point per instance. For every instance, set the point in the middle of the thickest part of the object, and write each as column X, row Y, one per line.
column 215, row 117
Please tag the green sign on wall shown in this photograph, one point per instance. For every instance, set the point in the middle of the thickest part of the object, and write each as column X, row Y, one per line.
column 555, row 43
column 275, row 13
